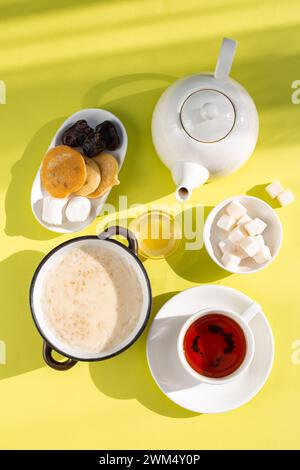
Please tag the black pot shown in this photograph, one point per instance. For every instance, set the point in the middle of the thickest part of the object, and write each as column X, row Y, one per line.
column 51, row 342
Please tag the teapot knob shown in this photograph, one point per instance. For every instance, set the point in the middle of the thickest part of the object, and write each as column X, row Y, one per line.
column 209, row 111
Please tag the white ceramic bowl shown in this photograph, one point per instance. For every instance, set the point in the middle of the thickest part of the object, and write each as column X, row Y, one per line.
column 256, row 207
column 93, row 117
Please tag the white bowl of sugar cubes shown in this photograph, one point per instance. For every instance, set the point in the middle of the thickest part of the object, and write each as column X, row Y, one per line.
column 242, row 234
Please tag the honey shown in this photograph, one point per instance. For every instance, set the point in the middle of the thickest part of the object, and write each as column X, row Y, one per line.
column 158, row 234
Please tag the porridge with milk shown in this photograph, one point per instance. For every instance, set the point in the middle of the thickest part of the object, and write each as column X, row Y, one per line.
column 92, row 299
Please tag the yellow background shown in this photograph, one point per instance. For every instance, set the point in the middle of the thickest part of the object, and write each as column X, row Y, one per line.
column 60, row 56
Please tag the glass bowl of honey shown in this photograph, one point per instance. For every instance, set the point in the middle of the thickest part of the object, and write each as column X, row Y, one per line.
column 158, row 234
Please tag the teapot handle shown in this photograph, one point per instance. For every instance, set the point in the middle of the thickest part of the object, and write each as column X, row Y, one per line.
column 225, row 59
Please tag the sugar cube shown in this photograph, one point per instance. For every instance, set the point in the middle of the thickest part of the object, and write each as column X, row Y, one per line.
column 236, row 210
column 226, row 222
column 260, row 240
column 274, row 189
column 255, row 227
column 250, row 246
column 286, row 197
column 238, row 251
column 230, row 260
column 226, row 246
column 53, row 210
column 244, row 220
column 263, row 255
column 237, row 234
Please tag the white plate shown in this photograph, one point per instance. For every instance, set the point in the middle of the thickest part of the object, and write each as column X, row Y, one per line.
column 93, row 118
column 172, row 378
column 212, row 234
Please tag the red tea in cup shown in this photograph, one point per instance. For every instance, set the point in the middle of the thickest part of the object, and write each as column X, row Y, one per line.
column 215, row 345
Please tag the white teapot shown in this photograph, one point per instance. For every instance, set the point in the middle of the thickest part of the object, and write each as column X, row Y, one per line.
column 205, row 126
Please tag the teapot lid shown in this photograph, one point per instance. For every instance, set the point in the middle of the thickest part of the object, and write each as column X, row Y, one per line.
column 207, row 115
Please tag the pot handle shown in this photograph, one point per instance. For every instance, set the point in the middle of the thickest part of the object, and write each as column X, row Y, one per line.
column 57, row 365
column 124, row 232
column 225, row 59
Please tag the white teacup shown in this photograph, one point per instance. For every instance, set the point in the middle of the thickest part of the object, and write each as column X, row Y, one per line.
column 243, row 321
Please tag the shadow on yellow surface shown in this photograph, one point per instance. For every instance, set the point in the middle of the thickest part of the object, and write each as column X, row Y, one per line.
column 22, row 342
column 115, row 17
column 195, row 265
column 267, row 77
column 143, row 176
column 19, row 217
column 19, row 8
column 259, row 190
column 127, row 375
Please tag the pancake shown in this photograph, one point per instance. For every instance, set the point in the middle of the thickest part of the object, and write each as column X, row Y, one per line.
column 109, row 170
column 92, row 180
column 63, row 171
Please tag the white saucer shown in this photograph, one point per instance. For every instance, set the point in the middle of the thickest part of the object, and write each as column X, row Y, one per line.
column 172, row 378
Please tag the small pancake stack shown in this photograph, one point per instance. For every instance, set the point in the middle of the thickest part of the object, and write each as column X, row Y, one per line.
column 66, row 171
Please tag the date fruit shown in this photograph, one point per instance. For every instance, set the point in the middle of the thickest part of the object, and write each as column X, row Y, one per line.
column 109, row 134
column 93, row 144
column 76, row 134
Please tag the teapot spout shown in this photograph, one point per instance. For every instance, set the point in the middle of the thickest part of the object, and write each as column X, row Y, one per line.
column 188, row 176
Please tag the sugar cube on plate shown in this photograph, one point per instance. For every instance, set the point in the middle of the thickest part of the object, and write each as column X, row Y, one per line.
column 230, row 260
column 226, row 222
column 236, row 210
column 263, row 255
column 53, row 210
column 274, row 189
column 250, row 246
column 255, row 227
column 237, row 235
column 286, row 197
